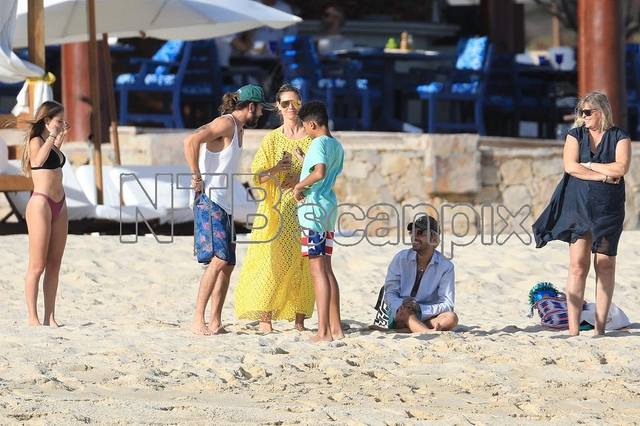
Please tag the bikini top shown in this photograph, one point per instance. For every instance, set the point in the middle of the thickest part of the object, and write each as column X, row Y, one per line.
column 55, row 160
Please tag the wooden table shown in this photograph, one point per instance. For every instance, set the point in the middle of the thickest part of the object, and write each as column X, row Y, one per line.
column 14, row 183
column 389, row 57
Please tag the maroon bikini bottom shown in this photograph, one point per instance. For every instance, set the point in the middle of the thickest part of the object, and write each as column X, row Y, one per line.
column 55, row 206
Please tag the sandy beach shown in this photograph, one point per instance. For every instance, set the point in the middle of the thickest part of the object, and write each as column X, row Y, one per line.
column 125, row 354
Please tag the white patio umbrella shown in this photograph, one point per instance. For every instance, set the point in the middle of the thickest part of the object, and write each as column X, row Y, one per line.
column 69, row 21
column 66, row 20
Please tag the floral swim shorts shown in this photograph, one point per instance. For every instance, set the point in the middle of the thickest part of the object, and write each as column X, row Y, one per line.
column 214, row 232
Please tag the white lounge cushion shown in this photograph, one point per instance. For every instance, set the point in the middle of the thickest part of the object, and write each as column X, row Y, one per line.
column 86, row 178
column 4, row 157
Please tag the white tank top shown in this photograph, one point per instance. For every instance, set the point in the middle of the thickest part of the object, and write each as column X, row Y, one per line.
column 226, row 161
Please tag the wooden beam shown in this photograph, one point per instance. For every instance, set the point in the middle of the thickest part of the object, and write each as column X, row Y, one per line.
column 601, row 53
column 555, row 27
column 35, row 23
column 10, row 183
column 111, row 98
column 35, row 39
column 95, row 99
column 75, row 89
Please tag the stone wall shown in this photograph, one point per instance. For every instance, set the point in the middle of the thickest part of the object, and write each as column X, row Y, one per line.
column 387, row 173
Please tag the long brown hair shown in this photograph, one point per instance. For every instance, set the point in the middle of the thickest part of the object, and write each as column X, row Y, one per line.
column 230, row 103
column 48, row 109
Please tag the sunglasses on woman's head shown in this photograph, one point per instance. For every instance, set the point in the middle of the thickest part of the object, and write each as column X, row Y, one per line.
column 293, row 103
column 586, row 112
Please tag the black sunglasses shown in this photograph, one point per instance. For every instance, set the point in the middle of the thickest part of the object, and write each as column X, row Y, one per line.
column 586, row 112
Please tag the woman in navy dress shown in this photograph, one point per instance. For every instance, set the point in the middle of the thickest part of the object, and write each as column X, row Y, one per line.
column 587, row 208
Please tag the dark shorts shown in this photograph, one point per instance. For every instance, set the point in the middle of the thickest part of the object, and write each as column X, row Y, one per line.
column 222, row 234
column 315, row 243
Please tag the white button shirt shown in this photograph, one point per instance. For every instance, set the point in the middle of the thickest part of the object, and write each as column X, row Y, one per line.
column 436, row 293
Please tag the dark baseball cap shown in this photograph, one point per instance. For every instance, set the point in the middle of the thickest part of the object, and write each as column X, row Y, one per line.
column 425, row 222
column 253, row 93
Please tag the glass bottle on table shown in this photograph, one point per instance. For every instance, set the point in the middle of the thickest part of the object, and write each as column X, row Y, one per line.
column 404, row 41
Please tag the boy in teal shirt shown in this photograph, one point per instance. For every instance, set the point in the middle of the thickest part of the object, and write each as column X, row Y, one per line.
column 317, row 215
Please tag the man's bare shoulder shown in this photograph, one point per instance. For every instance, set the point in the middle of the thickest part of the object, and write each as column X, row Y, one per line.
column 218, row 124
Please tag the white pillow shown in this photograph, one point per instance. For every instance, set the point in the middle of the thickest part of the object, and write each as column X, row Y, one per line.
column 4, row 156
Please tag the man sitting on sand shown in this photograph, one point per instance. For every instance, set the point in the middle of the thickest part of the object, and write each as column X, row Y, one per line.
column 420, row 283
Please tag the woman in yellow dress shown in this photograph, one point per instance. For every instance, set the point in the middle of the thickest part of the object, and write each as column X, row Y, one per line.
column 274, row 282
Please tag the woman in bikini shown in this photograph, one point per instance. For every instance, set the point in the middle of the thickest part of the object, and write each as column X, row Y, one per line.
column 46, row 211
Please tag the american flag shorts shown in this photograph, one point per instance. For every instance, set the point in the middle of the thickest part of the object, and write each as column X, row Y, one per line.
column 315, row 243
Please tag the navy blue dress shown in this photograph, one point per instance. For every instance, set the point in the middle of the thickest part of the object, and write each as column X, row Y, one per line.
column 579, row 206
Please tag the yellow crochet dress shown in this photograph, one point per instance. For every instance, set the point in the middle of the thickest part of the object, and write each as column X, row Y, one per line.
column 274, row 276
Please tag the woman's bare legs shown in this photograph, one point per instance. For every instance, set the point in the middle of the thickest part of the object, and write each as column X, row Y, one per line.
column 579, row 263
column 265, row 323
column 299, row 324
column 57, row 243
column 605, row 267
column 38, row 216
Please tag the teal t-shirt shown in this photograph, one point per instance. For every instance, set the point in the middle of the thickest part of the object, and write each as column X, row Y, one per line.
column 320, row 208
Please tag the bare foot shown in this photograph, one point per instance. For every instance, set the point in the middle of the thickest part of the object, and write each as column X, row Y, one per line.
column 218, row 330
column 265, row 327
column 200, row 328
column 51, row 323
column 300, row 327
column 318, row 338
column 33, row 322
column 339, row 335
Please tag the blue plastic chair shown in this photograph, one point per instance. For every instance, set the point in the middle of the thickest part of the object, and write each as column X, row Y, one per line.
column 335, row 84
column 464, row 84
column 164, row 73
column 632, row 68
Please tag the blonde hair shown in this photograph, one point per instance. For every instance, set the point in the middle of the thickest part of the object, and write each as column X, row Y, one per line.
column 48, row 109
column 600, row 102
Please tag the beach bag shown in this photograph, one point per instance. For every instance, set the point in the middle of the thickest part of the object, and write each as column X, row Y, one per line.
column 382, row 311
column 553, row 312
column 202, row 235
column 382, row 308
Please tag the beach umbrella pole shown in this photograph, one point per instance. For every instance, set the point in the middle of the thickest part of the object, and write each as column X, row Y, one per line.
column 95, row 99
column 111, row 98
column 35, row 22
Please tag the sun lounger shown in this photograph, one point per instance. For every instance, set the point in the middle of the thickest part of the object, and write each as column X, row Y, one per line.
column 80, row 208
column 166, row 186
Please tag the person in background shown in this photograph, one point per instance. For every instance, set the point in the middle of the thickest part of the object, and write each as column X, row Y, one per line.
column 223, row 140
column 275, row 282
column 46, row 215
column 332, row 38
column 266, row 39
column 588, row 206
column 317, row 215
column 420, row 283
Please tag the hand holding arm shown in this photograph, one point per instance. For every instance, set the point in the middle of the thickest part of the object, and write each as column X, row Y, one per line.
column 620, row 166
column 571, row 157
